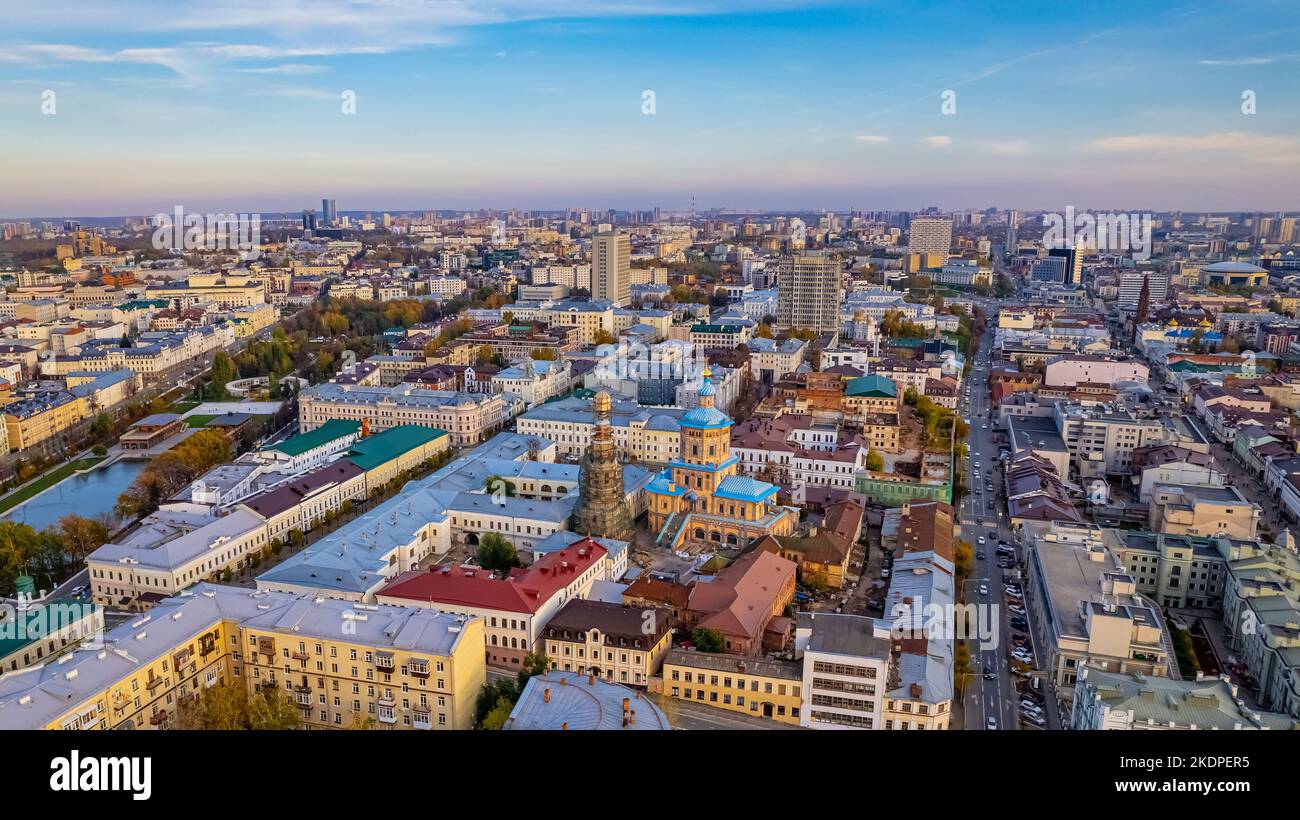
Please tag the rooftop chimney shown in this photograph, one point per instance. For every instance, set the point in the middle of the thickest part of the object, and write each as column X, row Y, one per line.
column 546, row 696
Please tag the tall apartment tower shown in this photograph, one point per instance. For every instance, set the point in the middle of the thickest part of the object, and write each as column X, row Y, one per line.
column 930, row 235
column 808, row 292
column 611, row 267
column 1130, row 287
column 329, row 211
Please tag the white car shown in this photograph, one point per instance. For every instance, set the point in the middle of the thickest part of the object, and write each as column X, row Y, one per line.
column 991, row 723
column 984, row 589
column 981, row 540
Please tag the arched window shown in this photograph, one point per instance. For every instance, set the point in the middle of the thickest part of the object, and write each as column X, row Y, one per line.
column 715, row 536
column 699, row 534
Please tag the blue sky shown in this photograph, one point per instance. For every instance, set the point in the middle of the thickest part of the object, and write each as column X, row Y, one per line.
column 235, row 104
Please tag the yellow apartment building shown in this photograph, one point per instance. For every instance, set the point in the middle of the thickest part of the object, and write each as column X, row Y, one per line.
column 756, row 687
column 405, row 668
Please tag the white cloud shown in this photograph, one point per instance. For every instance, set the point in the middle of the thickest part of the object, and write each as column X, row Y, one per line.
column 1253, row 60
column 873, row 138
column 286, row 68
column 1008, row 147
column 937, row 141
column 1184, row 143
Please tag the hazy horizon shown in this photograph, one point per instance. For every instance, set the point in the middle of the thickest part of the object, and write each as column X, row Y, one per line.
column 237, row 105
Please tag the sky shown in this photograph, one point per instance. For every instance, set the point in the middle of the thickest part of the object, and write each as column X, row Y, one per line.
column 137, row 106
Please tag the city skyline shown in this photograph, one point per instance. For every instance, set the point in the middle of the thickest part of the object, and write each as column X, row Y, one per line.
column 764, row 104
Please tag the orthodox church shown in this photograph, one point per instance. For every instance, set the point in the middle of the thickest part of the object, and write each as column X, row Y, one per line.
column 699, row 502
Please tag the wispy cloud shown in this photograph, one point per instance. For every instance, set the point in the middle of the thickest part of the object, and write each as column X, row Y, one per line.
column 1239, row 141
column 1262, row 60
column 1007, row 147
column 937, row 141
column 872, row 138
column 287, row 68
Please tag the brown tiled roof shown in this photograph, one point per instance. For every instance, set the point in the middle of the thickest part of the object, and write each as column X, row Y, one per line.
column 617, row 621
column 647, row 588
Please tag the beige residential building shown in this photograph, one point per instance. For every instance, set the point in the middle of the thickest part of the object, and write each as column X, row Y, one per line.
column 623, row 644
column 1086, row 611
column 611, row 267
column 340, row 663
column 1182, row 509
column 808, row 292
column 170, row 551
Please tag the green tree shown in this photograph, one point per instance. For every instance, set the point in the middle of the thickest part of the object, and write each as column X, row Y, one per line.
column 82, row 536
column 496, row 553
column 496, row 718
column 228, row 706
column 875, row 461
column 223, row 372
column 101, row 426
column 708, row 640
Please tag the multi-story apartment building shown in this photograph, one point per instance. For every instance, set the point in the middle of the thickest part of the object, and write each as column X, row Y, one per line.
column 611, row 266
column 1071, row 369
column 30, row 421
column 1134, row 702
column 930, row 236
column 619, row 643
column 758, row 687
column 171, row 550
column 591, row 318
column 1086, row 611
column 405, row 668
column 514, row 610
column 468, row 418
column 648, row 435
column 808, row 292
column 1191, row 510
column 1103, row 443
column 1177, row 571
column 1261, row 612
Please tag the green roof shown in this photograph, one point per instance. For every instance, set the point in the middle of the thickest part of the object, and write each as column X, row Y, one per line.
column 381, row 448
column 327, row 432
column 40, row 622
column 873, row 384
column 705, row 327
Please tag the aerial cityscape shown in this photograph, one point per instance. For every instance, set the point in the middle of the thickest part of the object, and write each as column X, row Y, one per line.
column 462, row 367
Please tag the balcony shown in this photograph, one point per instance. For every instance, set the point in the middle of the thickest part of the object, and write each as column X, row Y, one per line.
column 384, row 662
column 158, row 718
column 387, row 716
column 303, row 699
column 419, row 669
column 153, row 684
column 268, row 684
column 421, row 721
column 386, row 699
column 300, row 656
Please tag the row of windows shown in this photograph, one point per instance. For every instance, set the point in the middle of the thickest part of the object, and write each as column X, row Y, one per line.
column 727, row 682
column 725, row 700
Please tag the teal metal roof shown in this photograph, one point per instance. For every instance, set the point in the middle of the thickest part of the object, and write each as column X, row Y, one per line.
column 381, row 448
column 327, row 432
column 872, row 385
